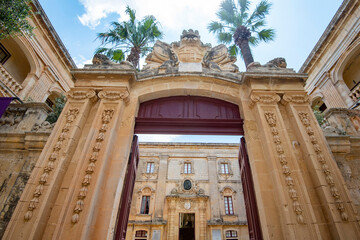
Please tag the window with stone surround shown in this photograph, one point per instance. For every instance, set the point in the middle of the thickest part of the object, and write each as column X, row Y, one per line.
column 231, row 235
column 187, row 167
column 229, row 210
column 150, row 167
column 224, row 169
column 145, row 205
column 141, row 235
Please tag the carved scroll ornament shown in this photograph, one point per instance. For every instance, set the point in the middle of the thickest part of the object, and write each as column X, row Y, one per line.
column 269, row 98
column 304, row 117
column 271, row 120
column 79, row 206
column 71, row 115
column 115, row 94
column 82, row 94
column 295, row 98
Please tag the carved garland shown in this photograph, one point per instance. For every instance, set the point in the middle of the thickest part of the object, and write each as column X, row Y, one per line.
column 304, row 117
column 70, row 117
column 106, row 118
column 271, row 120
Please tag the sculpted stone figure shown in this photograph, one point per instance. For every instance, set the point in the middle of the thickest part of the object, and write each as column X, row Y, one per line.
column 100, row 59
column 162, row 54
column 218, row 58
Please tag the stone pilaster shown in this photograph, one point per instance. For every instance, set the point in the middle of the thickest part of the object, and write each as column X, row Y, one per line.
column 172, row 228
column 38, row 199
column 325, row 175
column 202, row 211
column 161, row 183
column 214, row 190
column 280, row 160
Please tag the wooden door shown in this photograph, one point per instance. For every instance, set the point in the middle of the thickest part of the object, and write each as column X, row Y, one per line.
column 128, row 187
column 252, row 213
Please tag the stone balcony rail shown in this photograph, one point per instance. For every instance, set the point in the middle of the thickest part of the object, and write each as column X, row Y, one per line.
column 355, row 92
column 9, row 81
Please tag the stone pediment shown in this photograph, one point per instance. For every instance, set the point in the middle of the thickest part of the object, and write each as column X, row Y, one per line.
column 189, row 54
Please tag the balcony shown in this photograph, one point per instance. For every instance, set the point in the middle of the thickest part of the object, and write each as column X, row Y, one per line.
column 9, row 82
column 355, row 92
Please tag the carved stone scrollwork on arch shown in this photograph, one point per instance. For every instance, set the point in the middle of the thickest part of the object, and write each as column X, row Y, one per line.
column 115, row 94
column 263, row 97
column 82, row 94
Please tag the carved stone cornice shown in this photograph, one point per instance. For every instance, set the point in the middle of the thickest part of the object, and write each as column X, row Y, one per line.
column 115, row 94
column 264, row 97
column 299, row 98
column 80, row 94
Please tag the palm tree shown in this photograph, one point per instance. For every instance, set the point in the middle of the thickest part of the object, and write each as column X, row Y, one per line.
column 237, row 24
column 131, row 37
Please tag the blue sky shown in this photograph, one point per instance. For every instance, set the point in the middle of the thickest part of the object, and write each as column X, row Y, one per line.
column 298, row 24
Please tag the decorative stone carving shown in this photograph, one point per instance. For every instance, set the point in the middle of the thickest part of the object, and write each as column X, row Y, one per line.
column 295, row 98
column 189, row 49
column 115, row 94
column 304, row 117
column 181, row 188
column 82, row 94
column 271, row 120
column 70, row 115
column 106, row 117
column 263, row 97
column 218, row 59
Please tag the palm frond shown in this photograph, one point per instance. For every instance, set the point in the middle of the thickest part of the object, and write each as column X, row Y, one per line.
column 233, row 50
column 215, row 27
column 225, row 37
column 266, row 35
column 253, row 41
column 244, row 6
column 131, row 14
column 261, row 10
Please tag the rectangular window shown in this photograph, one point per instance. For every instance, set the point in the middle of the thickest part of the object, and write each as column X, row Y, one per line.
column 228, row 206
column 187, row 167
column 231, row 234
column 141, row 235
column 150, row 167
column 145, row 205
column 224, row 168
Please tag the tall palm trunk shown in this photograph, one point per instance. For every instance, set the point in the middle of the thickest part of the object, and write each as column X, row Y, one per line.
column 241, row 38
column 134, row 56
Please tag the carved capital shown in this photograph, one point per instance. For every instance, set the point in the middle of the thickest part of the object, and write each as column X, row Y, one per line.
column 115, row 94
column 264, row 97
column 82, row 94
column 299, row 98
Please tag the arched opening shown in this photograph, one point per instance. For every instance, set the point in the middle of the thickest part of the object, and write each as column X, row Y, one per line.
column 51, row 99
column 191, row 115
column 351, row 75
column 318, row 105
column 17, row 64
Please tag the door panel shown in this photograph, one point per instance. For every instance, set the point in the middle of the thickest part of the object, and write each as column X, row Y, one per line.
column 252, row 213
column 128, row 187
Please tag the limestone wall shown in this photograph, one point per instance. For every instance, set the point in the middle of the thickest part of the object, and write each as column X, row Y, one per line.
column 21, row 142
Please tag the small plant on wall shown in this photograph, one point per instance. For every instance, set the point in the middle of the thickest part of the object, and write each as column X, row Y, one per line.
column 57, row 109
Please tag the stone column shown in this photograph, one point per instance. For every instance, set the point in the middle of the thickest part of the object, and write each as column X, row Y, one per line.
column 38, row 199
column 325, row 175
column 344, row 91
column 214, row 190
column 161, row 186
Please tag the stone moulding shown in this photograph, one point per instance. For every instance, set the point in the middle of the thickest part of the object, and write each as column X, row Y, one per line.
column 304, row 117
column 82, row 94
column 263, row 97
column 295, row 98
column 115, row 94
column 71, row 115
column 79, row 206
column 271, row 120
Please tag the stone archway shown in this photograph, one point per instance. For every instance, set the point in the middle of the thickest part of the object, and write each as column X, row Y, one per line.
column 75, row 190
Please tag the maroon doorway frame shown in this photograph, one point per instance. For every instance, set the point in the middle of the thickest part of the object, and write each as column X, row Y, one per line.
column 201, row 116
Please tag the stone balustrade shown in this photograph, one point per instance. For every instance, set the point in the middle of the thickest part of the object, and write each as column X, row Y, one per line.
column 9, row 81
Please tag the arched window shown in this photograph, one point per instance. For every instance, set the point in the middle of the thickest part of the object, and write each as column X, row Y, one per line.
column 141, row 235
column 146, row 195
column 231, row 235
column 228, row 195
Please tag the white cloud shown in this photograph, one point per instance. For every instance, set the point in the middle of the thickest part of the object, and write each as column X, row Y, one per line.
column 172, row 14
column 157, row 137
column 81, row 61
